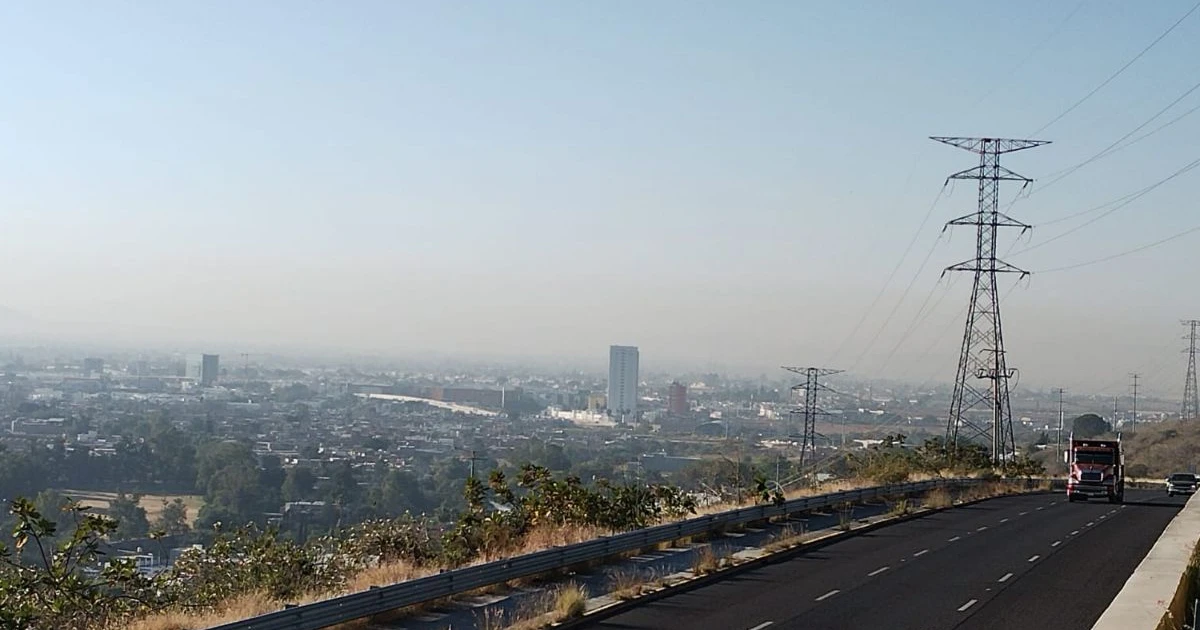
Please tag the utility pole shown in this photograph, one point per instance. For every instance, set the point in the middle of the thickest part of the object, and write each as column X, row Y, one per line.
column 811, row 388
column 1191, row 404
column 982, row 356
column 1133, row 420
column 1058, row 449
column 474, row 458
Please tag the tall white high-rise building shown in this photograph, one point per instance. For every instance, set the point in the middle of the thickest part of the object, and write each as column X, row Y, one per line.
column 622, row 381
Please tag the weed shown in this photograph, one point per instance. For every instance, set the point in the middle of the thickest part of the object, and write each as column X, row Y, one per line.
column 570, row 602
column 626, row 584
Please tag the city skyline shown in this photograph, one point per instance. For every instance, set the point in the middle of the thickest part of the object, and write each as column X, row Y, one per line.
column 721, row 190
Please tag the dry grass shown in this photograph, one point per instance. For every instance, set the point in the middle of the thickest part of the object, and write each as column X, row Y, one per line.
column 710, row 560
column 938, row 498
column 152, row 503
column 570, row 602
column 627, row 584
column 386, row 575
column 241, row 607
column 787, row 538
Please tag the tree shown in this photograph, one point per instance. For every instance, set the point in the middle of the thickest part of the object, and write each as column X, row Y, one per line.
column 298, row 484
column 46, row 588
column 173, row 520
column 130, row 517
column 1090, row 425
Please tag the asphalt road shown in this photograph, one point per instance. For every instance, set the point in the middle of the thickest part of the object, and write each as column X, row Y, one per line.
column 1013, row 562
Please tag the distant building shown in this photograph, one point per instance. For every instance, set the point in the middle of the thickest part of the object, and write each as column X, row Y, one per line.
column 677, row 402
column 203, row 368
column 622, row 381
column 597, row 402
column 92, row 365
column 497, row 398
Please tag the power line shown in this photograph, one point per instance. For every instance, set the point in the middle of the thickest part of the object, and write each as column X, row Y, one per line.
column 1124, row 253
column 1119, row 71
column 1058, row 176
column 892, row 275
column 896, row 307
column 1128, row 200
column 1032, row 51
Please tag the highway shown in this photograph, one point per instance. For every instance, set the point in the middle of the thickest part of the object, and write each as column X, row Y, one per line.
column 1012, row 562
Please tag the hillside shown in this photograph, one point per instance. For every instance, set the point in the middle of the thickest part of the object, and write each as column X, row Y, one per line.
column 1157, row 450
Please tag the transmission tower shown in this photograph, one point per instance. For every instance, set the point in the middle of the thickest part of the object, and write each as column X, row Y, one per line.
column 982, row 355
column 1133, row 421
column 810, row 409
column 1191, row 403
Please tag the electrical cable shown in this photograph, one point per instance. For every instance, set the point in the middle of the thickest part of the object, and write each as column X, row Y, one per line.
column 1058, row 176
column 1127, row 200
column 1032, row 51
column 891, row 276
column 896, row 307
column 1129, row 252
column 1119, row 71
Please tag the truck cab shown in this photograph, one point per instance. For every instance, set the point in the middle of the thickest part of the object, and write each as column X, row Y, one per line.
column 1095, row 470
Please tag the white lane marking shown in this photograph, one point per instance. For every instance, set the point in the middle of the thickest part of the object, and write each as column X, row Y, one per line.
column 1034, row 559
column 1075, row 533
column 828, row 595
column 1023, row 513
column 981, row 528
column 1056, row 543
column 967, row 605
column 1103, row 516
column 920, row 553
column 1090, row 524
column 762, row 625
column 956, row 538
column 877, row 571
column 1005, row 578
column 1041, row 508
column 1003, row 520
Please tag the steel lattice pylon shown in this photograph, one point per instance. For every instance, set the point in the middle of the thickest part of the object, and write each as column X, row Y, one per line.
column 1191, row 404
column 982, row 356
column 810, row 409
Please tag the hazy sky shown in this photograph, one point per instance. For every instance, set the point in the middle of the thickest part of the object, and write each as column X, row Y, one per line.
column 722, row 184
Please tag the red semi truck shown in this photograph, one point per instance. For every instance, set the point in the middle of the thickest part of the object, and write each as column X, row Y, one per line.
column 1095, row 469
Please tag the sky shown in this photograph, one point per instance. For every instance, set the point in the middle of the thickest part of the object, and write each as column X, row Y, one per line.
column 725, row 185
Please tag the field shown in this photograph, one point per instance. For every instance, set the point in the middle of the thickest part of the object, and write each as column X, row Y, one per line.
column 152, row 503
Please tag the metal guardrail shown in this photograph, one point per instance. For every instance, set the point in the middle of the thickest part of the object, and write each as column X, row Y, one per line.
column 379, row 600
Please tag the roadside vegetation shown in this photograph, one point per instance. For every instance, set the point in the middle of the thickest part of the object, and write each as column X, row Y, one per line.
column 53, row 575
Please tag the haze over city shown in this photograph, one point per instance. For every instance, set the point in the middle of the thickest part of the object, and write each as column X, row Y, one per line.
column 722, row 185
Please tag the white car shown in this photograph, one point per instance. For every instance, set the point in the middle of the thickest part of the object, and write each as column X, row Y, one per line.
column 1181, row 483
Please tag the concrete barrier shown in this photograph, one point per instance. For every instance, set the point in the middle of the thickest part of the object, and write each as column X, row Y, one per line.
column 1158, row 587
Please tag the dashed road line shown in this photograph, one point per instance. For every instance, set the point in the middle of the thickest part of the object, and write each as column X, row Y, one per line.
column 920, row 553
column 828, row 595
column 955, row 538
column 877, row 571
column 1090, row 524
column 1075, row 533
column 1056, row 543
column 1003, row 520
column 1034, row 559
column 967, row 605
column 1022, row 513
column 981, row 528
column 1005, row 578
column 762, row 625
